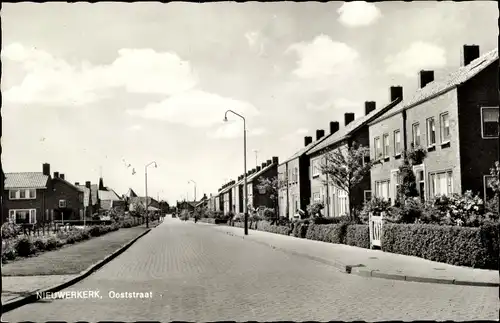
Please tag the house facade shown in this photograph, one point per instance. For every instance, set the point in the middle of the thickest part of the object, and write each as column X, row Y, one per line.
column 454, row 119
column 66, row 201
column 334, row 198
column 257, row 197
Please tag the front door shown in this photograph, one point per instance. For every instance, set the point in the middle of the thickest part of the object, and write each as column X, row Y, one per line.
column 419, row 172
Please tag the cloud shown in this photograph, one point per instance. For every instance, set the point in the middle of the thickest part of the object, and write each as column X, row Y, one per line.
column 256, row 42
column 234, row 129
column 54, row 81
column 302, row 131
column 418, row 56
column 135, row 127
column 358, row 14
column 195, row 109
column 322, row 57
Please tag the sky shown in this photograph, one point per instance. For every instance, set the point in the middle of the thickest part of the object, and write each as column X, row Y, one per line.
column 93, row 88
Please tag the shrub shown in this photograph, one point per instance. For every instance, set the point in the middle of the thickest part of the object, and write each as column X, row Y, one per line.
column 8, row 250
column 409, row 211
column 375, row 205
column 333, row 233
column 358, row 235
column 10, row 230
column 40, row 244
column 461, row 246
column 314, row 209
column 95, row 231
column 52, row 243
column 278, row 229
column 466, row 210
column 25, row 247
column 299, row 228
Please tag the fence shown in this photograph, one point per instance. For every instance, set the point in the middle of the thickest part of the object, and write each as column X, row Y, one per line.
column 376, row 226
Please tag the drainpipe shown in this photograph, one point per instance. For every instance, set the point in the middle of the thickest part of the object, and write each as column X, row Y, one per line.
column 327, row 213
column 405, row 136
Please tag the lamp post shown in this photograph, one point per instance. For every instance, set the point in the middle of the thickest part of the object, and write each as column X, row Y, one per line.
column 245, row 204
column 146, row 178
column 191, row 181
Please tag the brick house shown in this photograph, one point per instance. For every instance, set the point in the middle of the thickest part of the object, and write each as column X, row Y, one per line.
column 256, row 197
column 109, row 199
column 293, row 177
column 32, row 197
column 226, row 197
column 66, row 201
column 455, row 119
column 336, row 199
column 25, row 197
column 87, row 198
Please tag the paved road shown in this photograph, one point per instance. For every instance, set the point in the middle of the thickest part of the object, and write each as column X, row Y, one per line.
column 196, row 273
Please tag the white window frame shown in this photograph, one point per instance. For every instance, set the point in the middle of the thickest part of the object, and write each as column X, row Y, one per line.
column 315, row 168
column 316, row 197
column 17, row 194
column 397, row 150
column 414, row 126
column 386, row 146
column 31, row 215
column 482, row 123
column 442, row 127
column 62, row 204
column 378, row 186
column 377, row 148
column 429, row 131
column 431, row 182
column 484, row 185
column 394, row 185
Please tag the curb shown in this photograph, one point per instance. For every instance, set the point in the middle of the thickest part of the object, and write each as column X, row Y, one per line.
column 447, row 281
column 358, row 270
column 16, row 303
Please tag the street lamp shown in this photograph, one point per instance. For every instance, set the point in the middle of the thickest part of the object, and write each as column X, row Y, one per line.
column 245, row 205
column 191, row 181
column 146, row 178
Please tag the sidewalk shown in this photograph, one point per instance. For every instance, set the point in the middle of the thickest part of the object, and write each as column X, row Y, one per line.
column 371, row 263
column 27, row 275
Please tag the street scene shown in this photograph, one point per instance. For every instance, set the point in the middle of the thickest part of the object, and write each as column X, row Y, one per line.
column 250, row 161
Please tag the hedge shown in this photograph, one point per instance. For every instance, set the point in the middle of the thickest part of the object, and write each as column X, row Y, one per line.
column 358, row 235
column 333, row 233
column 278, row 229
column 461, row 246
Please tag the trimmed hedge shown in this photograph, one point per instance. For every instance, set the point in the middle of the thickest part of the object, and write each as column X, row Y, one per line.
column 278, row 229
column 358, row 235
column 333, row 233
column 461, row 246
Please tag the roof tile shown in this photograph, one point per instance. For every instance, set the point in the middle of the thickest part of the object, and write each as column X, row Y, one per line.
column 26, row 180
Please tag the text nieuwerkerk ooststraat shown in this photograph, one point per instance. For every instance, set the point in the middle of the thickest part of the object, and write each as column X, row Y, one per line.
column 93, row 294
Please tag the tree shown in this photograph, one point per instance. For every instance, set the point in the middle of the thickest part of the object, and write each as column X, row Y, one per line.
column 345, row 167
column 408, row 181
column 270, row 186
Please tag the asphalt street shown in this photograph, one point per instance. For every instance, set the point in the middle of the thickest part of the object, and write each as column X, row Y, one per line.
column 195, row 273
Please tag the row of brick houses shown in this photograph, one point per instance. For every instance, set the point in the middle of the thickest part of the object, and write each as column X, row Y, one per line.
column 39, row 197
column 230, row 197
column 454, row 118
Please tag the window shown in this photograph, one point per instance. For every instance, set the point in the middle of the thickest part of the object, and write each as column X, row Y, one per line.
column 22, row 194
column 382, row 189
column 315, row 167
column 378, row 150
column 431, row 132
column 316, row 197
column 445, row 127
column 488, row 189
column 416, row 134
column 489, row 124
column 386, row 145
column 441, row 183
column 368, row 196
column 397, row 142
column 343, row 202
column 295, row 174
column 395, row 184
column 27, row 216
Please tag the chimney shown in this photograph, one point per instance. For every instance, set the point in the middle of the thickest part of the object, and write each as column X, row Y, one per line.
column 46, row 169
column 396, row 93
column 470, row 53
column 334, row 127
column 61, row 176
column 263, row 165
column 369, row 107
column 56, row 174
column 425, row 77
column 258, row 168
column 348, row 118
column 101, row 184
column 319, row 134
column 77, row 183
column 269, row 161
column 275, row 160
column 87, row 184
column 307, row 140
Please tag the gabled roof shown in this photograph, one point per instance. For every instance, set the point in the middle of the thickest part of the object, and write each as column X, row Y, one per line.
column 86, row 194
column 108, row 195
column 356, row 124
column 68, row 183
column 257, row 174
column 305, row 149
column 131, row 193
column 451, row 81
column 26, row 180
